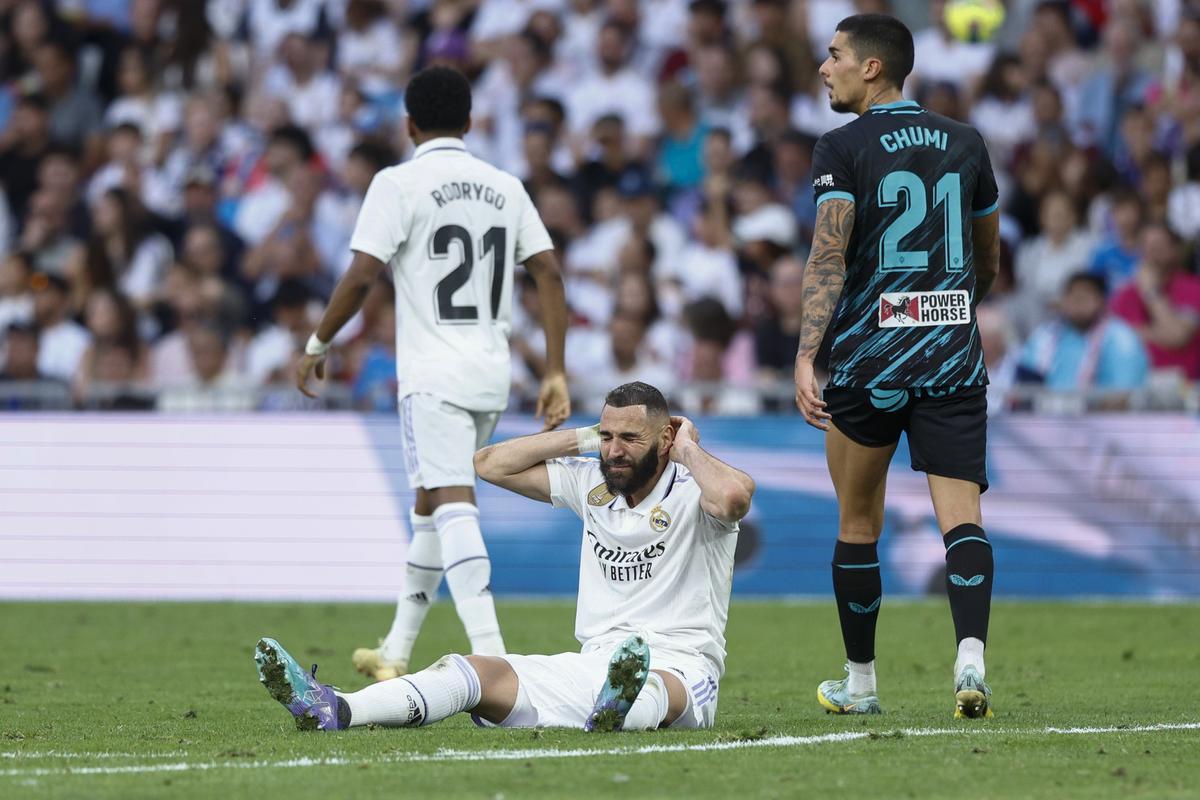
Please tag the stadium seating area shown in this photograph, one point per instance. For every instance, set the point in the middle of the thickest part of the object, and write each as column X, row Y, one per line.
column 181, row 179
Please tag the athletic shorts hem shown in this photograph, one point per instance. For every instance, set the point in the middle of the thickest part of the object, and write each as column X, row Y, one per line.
column 954, row 475
column 860, row 440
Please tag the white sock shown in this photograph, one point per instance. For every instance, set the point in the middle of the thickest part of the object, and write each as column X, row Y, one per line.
column 970, row 651
column 469, row 575
column 422, row 574
column 446, row 687
column 862, row 678
column 650, row 707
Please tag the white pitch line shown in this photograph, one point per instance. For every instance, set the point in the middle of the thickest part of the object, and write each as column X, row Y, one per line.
column 541, row 753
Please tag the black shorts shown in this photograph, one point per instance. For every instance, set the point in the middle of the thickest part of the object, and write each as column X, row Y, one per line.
column 947, row 428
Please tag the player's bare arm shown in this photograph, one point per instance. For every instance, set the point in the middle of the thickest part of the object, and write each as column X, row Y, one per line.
column 554, row 402
column 985, row 238
column 824, row 278
column 725, row 492
column 519, row 465
column 348, row 297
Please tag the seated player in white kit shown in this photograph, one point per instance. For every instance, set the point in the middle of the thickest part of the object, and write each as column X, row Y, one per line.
column 660, row 521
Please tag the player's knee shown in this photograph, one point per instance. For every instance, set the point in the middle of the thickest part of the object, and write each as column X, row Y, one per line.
column 859, row 530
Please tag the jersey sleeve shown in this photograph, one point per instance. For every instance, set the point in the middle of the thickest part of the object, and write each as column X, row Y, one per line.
column 833, row 170
column 532, row 236
column 383, row 221
column 568, row 482
column 987, row 196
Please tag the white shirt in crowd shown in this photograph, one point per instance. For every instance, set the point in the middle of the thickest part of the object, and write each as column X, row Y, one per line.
column 939, row 58
column 625, row 93
column 704, row 271
column 664, row 567
column 451, row 226
column 270, row 24
column 61, row 348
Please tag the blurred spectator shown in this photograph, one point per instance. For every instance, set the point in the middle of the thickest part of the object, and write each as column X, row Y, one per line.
column 1004, row 112
column 304, row 82
column 23, row 144
column 217, row 385
column 610, row 164
column 122, row 167
column 1118, row 85
column 374, row 387
column 1045, row 262
column 615, row 88
column 116, row 353
column 289, row 251
column 777, row 336
column 1084, row 348
column 617, row 359
column 942, row 58
column 1162, row 303
column 680, row 156
column 270, row 21
column 16, row 299
column 21, row 354
column 156, row 114
column 75, row 111
column 336, row 210
column 1000, row 346
column 370, row 50
column 1183, row 205
column 289, row 150
column 124, row 250
column 47, row 237
column 62, row 341
column 721, row 378
column 1117, row 255
column 270, row 353
column 707, row 267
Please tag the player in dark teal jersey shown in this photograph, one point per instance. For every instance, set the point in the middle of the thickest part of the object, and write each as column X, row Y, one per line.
column 906, row 244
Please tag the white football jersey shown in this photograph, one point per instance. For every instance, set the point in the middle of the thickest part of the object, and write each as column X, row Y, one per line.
column 451, row 227
column 664, row 567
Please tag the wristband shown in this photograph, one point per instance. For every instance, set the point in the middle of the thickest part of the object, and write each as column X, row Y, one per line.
column 316, row 347
column 587, row 440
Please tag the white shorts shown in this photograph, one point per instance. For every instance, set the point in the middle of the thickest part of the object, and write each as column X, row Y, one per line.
column 559, row 691
column 440, row 440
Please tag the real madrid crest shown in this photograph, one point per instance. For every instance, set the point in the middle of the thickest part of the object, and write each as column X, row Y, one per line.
column 659, row 520
column 600, row 496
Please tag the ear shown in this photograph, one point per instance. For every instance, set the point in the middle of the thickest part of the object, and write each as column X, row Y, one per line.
column 666, row 438
column 411, row 128
column 871, row 69
column 467, row 129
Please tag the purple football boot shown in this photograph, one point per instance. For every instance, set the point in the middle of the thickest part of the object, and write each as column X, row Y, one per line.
column 313, row 704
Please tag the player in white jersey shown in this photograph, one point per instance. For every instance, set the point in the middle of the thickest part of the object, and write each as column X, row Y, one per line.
column 450, row 227
column 660, row 522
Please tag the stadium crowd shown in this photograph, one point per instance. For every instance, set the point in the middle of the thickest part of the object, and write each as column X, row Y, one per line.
column 181, row 179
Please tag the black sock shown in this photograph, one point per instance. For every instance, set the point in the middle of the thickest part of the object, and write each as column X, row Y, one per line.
column 969, row 572
column 859, row 590
column 343, row 712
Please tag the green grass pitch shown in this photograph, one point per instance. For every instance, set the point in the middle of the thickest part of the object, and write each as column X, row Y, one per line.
column 123, row 700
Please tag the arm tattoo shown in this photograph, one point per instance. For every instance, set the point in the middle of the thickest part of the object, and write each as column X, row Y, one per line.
column 825, row 274
column 985, row 235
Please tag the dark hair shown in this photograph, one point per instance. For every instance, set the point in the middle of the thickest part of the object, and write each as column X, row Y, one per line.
column 438, row 99
column 1091, row 279
column 638, row 394
column 378, row 154
column 715, row 8
column 883, row 37
column 709, row 321
column 292, row 293
column 295, row 137
column 993, row 81
column 1193, row 162
column 540, row 48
